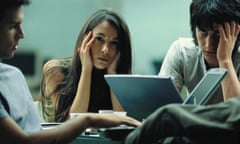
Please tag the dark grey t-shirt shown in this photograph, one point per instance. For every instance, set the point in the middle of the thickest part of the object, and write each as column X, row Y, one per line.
column 16, row 97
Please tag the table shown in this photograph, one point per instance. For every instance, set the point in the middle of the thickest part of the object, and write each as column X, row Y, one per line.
column 98, row 138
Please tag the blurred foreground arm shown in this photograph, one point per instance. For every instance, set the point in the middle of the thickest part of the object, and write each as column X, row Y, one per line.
column 11, row 133
column 176, row 123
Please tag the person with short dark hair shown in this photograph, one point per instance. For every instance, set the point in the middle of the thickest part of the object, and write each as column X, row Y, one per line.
column 215, row 43
column 19, row 119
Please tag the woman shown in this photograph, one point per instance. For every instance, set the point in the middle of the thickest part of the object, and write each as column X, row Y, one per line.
column 76, row 84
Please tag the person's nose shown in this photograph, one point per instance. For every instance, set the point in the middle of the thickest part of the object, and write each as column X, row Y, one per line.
column 211, row 42
column 208, row 42
column 20, row 33
column 105, row 49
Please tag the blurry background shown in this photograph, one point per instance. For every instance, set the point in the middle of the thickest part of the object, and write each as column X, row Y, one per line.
column 51, row 28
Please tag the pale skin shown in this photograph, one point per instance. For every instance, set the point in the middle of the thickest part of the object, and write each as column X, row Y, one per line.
column 98, row 49
column 217, row 47
column 11, row 133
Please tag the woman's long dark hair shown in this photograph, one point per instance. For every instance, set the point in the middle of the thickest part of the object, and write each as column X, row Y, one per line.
column 69, row 85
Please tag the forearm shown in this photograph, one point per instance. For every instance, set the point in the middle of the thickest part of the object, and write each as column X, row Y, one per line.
column 11, row 133
column 82, row 97
column 230, row 84
column 62, row 134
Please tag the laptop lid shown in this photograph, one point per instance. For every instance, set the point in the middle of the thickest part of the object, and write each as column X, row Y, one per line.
column 140, row 95
column 206, row 86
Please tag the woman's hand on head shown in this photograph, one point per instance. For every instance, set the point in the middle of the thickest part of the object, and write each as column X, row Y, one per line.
column 84, row 52
column 112, row 68
column 228, row 36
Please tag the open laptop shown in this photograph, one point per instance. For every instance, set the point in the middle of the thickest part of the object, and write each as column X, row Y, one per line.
column 140, row 95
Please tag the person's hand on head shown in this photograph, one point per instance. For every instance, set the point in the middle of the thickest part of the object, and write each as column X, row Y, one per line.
column 228, row 34
column 84, row 52
column 112, row 69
